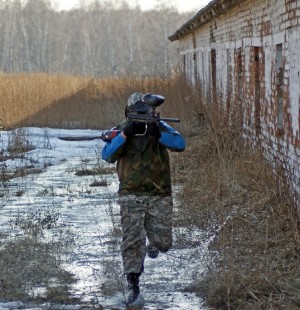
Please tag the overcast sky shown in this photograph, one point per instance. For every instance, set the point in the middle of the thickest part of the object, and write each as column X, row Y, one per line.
column 182, row 5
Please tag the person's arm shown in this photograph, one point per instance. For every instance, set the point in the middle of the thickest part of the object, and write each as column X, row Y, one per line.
column 113, row 148
column 171, row 138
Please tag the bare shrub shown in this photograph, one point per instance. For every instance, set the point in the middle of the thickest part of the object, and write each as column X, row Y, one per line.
column 19, row 141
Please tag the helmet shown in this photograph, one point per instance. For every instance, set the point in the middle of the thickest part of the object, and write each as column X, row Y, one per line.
column 134, row 98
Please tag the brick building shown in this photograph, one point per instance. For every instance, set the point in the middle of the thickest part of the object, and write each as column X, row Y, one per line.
column 249, row 51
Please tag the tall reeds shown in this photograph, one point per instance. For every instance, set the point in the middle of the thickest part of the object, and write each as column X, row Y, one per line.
column 79, row 102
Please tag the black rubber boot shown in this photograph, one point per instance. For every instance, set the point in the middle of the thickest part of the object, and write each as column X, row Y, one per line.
column 133, row 289
column 152, row 251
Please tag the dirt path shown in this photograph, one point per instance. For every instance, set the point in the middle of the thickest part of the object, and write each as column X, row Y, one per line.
column 90, row 216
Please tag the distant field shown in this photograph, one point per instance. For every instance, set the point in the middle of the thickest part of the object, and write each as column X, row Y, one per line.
column 45, row 100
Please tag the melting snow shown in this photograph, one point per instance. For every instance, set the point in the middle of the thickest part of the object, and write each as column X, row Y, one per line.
column 91, row 215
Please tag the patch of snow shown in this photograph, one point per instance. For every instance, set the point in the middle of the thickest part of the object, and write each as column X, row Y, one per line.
column 90, row 214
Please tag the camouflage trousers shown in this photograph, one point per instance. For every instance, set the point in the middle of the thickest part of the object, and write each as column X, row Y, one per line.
column 144, row 217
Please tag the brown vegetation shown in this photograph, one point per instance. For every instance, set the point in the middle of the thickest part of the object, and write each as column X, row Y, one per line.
column 229, row 190
column 72, row 102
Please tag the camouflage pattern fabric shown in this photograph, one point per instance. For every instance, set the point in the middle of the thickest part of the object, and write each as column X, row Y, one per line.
column 141, row 217
column 143, row 167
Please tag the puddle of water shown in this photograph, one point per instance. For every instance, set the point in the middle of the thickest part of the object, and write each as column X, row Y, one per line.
column 90, row 215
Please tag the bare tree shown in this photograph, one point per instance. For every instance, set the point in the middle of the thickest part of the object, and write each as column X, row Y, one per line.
column 101, row 38
column 8, row 39
column 27, row 61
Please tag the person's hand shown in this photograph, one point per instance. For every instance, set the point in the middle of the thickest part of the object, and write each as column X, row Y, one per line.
column 153, row 130
column 134, row 128
column 108, row 135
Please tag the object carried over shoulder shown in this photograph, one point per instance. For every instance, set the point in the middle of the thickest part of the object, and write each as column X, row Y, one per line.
column 105, row 136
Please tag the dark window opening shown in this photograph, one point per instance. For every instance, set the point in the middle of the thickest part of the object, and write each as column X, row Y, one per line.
column 238, row 63
column 184, row 65
column 239, row 73
column 279, row 86
column 229, row 79
column 214, row 73
column 212, row 35
column 257, row 83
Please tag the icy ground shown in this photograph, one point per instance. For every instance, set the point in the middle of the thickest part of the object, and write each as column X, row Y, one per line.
column 90, row 213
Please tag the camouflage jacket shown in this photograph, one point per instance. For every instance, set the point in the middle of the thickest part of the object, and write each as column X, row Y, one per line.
column 143, row 162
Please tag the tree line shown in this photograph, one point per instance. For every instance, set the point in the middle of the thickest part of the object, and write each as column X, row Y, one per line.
column 104, row 38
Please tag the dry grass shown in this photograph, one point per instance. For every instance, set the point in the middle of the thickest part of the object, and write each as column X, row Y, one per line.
column 26, row 261
column 23, row 95
column 19, row 142
column 75, row 102
column 231, row 191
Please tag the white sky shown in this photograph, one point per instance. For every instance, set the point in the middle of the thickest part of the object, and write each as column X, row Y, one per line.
column 182, row 5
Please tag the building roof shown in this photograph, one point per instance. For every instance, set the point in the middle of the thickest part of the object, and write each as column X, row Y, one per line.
column 213, row 9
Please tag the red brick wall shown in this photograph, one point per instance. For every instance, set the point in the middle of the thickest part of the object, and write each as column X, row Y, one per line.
column 257, row 59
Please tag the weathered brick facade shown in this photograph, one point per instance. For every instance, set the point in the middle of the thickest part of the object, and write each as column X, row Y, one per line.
column 249, row 50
